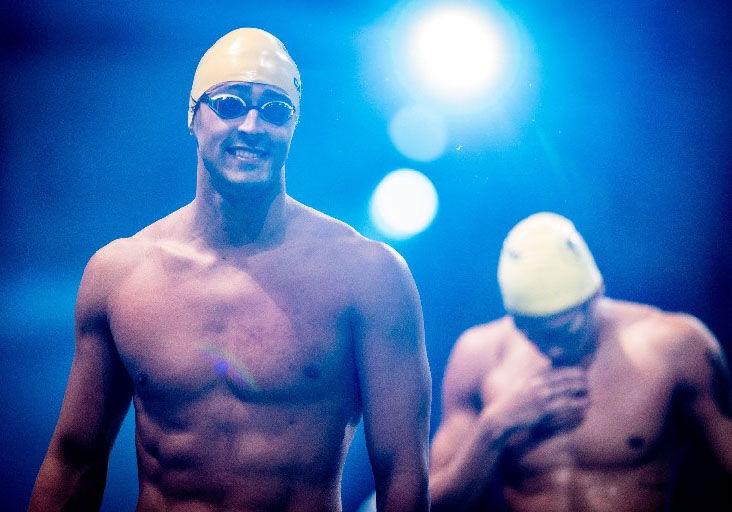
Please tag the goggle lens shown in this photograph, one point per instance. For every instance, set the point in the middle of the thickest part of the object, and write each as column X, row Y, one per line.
column 228, row 106
column 276, row 112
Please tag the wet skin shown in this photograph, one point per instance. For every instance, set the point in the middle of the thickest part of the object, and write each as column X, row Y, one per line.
column 598, row 432
column 246, row 376
column 251, row 333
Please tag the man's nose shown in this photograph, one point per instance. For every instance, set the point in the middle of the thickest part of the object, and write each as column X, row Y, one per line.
column 251, row 122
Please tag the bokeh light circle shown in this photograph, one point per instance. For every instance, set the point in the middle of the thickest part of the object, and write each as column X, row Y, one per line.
column 418, row 133
column 403, row 204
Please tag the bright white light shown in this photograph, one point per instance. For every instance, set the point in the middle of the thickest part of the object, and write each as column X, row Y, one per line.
column 403, row 204
column 418, row 133
column 457, row 52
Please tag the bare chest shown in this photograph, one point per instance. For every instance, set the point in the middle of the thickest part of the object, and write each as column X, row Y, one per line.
column 625, row 424
column 183, row 330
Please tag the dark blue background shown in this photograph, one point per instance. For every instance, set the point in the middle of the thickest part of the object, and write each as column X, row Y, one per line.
column 629, row 136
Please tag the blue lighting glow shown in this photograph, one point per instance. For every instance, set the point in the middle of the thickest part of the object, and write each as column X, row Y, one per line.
column 403, row 204
column 418, row 133
column 457, row 52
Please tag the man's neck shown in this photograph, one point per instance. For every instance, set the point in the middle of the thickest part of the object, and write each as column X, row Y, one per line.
column 221, row 222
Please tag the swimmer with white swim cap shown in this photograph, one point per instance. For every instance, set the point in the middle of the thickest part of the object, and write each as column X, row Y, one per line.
column 563, row 403
column 545, row 267
column 549, row 280
column 251, row 332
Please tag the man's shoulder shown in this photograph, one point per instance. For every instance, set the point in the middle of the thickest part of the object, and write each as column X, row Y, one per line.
column 114, row 261
column 628, row 312
column 688, row 346
column 684, row 336
column 316, row 225
column 106, row 269
column 119, row 253
column 477, row 351
column 630, row 319
column 164, row 234
column 342, row 243
column 488, row 341
column 120, row 256
column 679, row 338
column 665, row 326
column 488, row 333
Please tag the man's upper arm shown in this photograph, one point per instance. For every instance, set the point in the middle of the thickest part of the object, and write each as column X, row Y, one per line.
column 461, row 402
column 704, row 369
column 393, row 371
column 98, row 390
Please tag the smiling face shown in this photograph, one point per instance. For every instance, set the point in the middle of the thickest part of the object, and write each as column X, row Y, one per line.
column 244, row 155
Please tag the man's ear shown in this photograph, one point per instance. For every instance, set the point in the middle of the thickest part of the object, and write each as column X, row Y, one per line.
column 194, row 120
column 193, row 128
column 192, row 131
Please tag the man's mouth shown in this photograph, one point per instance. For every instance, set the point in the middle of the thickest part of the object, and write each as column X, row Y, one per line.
column 246, row 153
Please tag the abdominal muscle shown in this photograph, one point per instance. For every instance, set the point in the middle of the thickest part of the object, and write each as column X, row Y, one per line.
column 569, row 488
column 222, row 453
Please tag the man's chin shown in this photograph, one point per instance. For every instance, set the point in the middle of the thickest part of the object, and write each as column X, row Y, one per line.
column 248, row 175
column 244, row 184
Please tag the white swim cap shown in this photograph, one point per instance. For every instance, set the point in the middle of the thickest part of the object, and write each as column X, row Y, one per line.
column 246, row 55
column 545, row 266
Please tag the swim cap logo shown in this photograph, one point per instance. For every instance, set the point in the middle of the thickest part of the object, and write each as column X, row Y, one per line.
column 297, row 84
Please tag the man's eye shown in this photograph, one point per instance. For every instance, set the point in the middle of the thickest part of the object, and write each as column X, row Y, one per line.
column 229, row 106
column 277, row 112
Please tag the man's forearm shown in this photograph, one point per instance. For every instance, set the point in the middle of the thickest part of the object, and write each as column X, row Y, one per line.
column 461, row 482
column 62, row 486
column 404, row 490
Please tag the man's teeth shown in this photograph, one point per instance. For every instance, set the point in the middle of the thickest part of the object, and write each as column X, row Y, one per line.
column 246, row 153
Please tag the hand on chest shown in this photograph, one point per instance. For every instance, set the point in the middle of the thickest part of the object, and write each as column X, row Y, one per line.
column 629, row 396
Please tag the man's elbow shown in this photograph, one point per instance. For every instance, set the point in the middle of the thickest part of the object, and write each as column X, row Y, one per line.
column 69, row 483
column 76, row 462
column 79, row 452
column 403, row 490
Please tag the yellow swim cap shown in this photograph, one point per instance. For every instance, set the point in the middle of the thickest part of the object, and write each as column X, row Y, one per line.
column 246, row 55
column 545, row 266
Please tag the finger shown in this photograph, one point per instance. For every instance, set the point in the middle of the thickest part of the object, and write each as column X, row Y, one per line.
column 564, row 422
column 567, row 390
column 560, row 371
column 565, row 375
column 567, row 405
column 566, row 413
